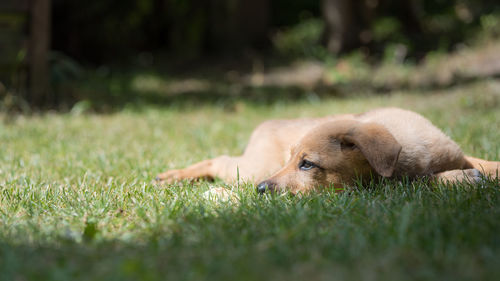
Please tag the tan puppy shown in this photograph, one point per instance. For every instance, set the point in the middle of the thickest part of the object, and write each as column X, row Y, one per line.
column 303, row 154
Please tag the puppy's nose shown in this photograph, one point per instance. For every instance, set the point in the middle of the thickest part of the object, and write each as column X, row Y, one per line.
column 265, row 186
column 261, row 188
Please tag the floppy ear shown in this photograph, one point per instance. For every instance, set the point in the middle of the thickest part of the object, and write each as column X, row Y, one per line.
column 378, row 145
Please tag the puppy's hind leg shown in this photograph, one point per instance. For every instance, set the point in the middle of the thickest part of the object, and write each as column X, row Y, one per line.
column 489, row 168
column 206, row 169
column 474, row 170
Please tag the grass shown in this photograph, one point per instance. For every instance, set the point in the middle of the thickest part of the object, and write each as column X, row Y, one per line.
column 77, row 202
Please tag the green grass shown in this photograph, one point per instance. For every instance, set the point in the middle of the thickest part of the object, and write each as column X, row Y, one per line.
column 77, row 202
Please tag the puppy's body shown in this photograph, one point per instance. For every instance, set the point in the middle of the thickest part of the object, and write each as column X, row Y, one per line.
column 390, row 142
column 425, row 149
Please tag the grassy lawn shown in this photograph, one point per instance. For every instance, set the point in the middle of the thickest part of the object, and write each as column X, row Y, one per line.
column 77, row 202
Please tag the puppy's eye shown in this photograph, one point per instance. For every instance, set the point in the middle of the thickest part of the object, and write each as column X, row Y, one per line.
column 347, row 145
column 306, row 165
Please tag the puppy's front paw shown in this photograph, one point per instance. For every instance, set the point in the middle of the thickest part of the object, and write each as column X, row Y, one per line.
column 169, row 177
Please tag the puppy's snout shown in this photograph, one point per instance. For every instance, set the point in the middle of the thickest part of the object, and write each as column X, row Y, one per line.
column 261, row 188
column 265, row 186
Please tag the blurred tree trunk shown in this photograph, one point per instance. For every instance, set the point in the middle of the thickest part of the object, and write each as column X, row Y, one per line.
column 341, row 29
column 347, row 23
column 39, row 72
column 157, row 23
column 238, row 23
column 187, row 27
column 410, row 15
column 216, row 25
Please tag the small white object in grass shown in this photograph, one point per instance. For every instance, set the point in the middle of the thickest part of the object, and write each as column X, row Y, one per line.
column 220, row 194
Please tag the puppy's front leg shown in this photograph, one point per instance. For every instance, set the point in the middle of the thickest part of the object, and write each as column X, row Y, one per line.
column 206, row 169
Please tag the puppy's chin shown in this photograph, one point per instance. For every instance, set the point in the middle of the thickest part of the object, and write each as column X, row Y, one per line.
column 337, row 188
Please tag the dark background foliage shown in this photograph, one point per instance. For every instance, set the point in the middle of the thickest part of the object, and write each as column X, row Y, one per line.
column 110, row 30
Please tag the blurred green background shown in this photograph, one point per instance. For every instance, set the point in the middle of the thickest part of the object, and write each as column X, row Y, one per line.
column 100, row 51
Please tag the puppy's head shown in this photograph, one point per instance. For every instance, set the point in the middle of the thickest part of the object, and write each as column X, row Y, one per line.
column 335, row 154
